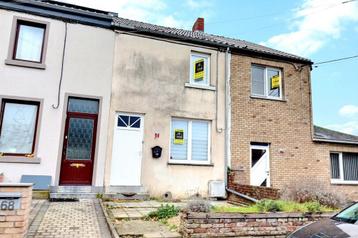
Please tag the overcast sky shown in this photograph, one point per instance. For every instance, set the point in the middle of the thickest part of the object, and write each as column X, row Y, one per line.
column 318, row 29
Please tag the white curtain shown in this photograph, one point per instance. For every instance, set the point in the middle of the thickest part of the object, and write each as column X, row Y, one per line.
column 29, row 43
column 18, row 128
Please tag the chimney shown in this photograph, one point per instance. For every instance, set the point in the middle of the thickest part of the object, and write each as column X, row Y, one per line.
column 199, row 24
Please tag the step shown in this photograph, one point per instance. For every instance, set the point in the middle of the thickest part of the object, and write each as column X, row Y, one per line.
column 126, row 189
column 127, row 196
column 71, row 189
column 72, row 196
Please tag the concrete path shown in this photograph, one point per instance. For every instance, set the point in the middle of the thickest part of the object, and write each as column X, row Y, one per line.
column 83, row 219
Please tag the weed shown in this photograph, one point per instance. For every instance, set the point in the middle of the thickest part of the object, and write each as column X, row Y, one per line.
column 164, row 212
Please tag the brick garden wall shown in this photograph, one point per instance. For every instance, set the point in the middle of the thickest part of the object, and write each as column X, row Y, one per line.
column 251, row 191
column 243, row 225
column 285, row 125
column 14, row 224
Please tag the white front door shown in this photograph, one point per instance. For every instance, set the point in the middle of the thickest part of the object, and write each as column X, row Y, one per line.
column 127, row 150
column 260, row 165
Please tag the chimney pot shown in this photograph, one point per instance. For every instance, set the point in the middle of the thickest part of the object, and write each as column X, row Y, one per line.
column 199, row 24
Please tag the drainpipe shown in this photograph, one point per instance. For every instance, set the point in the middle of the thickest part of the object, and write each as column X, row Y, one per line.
column 227, row 114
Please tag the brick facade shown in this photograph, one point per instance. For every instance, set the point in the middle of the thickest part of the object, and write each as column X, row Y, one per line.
column 286, row 125
column 14, row 224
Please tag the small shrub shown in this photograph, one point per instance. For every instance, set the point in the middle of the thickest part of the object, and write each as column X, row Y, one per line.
column 198, row 205
column 267, row 205
column 164, row 212
column 310, row 192
column 313, row 207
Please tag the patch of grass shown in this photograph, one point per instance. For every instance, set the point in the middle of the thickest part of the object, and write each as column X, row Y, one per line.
column 275, row 206
column 163, row 213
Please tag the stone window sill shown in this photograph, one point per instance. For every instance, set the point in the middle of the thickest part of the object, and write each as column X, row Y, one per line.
column 25, row 64
column 20, row 159
column 343, row 182
column 204, row 87
column 190, row 164
column 266, row 98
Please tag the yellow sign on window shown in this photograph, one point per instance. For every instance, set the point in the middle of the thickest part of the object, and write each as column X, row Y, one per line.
column 199, row 70
column 179, row 136
column 275, row 81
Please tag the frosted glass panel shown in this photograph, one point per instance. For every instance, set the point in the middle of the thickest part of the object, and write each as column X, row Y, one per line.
column 18, row 128
column 29, row 43
column 83, row 105
column 258, row 80
column 80, row 136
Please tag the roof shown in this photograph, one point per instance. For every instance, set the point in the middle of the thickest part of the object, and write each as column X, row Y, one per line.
column 63, row 11
column 203, row 37
column 89, row 16
column 327, row 135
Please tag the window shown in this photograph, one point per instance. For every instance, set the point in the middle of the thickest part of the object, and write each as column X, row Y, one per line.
column 28, row 43
column 127, row 121
column 18, row 127
column 200, row 69
column 190, row 141
column 344, row 167
column 266, row 82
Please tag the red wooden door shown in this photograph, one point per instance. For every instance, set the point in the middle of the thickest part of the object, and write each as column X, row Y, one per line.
column 78, row 149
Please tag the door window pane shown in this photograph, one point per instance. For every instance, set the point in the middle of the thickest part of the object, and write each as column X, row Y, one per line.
column 200, row 136
column 18, row 128
column 83, row 105
column 29, row 42
column 179, row 140
column 258, row 82
column 79, row 139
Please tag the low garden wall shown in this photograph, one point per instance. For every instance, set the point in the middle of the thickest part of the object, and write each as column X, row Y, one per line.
column 243, row 225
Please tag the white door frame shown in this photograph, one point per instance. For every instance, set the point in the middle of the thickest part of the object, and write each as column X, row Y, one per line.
column 141, row 129
column 268, row 169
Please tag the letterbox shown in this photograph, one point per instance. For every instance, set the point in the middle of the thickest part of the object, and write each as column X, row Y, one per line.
column 156, row 152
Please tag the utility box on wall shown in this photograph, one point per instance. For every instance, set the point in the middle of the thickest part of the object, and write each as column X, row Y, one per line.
column 217, row 189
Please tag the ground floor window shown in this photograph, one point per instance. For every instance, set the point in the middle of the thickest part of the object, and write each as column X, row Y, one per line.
column 344, row 167
column 18, row 127
column 190, row 141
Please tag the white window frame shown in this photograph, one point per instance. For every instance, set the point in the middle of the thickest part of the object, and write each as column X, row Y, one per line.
column 191, row 72
column 189, row 146
column 266, row 85
column 341, row 172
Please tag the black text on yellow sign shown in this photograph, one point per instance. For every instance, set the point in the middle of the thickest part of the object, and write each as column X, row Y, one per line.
column 179, row 136
column 275, row 81
column 199, row 70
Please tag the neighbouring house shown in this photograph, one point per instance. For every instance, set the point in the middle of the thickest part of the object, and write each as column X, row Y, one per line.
column 55, row 77
column 273, row 140
column 122, row 107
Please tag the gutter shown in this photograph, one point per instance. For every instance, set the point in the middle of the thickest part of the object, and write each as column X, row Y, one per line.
column 335, row 141
column 60, row 12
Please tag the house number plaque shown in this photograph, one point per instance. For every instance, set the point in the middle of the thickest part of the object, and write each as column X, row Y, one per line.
column 10, row 201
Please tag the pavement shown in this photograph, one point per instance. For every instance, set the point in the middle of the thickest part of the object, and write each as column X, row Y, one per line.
column 82, row 219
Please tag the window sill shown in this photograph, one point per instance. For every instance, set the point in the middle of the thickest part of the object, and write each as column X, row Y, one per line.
column 204, row 87
column 20, row 159
column 266, row 98
column 25, row 64
column 342, row 182
column 190, row 164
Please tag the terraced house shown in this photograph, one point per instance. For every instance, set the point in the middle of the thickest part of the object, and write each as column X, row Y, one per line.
column 101, row 104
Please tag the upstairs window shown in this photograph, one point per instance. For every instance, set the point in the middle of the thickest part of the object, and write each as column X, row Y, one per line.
column 344, row 167
column 29, row 41
column 266, row 82
column 199, row 69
